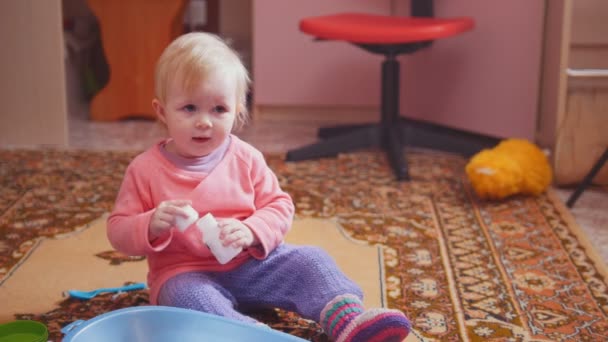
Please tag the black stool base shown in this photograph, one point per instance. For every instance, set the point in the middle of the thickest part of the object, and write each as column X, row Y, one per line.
column 392, row 139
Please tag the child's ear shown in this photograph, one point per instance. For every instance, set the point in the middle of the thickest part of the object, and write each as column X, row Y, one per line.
column 241, row 118
column 160, row 110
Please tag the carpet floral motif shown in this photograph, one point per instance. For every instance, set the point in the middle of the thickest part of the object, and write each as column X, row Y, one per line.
column 459, row 267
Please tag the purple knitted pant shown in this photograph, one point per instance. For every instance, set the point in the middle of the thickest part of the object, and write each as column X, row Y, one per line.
column 302, row 279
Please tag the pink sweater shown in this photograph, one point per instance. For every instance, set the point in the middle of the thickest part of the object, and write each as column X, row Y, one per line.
column 241, row 186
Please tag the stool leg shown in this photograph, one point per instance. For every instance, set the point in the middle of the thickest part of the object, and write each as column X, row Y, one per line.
column 392, row 139
column 587, row 180
column 394, row 150
column 359, row 139
column 332, row 131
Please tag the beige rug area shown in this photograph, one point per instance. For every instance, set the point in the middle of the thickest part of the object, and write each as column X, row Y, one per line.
column 71, row 261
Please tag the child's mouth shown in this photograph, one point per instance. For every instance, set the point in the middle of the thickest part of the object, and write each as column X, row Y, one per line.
column 200, row 139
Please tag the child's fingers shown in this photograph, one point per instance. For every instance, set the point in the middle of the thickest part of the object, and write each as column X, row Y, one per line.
column 237, row 235
column 234, row 238
column 175, row 206
column 178, row 203
column 165, row 217
column 175, row 210
column 228, row 227
column 160, row 223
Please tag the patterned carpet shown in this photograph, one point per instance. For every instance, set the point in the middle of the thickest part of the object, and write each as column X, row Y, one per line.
column 461, row 268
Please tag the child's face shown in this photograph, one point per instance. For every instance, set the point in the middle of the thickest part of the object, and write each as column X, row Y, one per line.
column 199, row 121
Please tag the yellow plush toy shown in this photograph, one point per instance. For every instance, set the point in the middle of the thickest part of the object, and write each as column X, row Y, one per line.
column 514, row 166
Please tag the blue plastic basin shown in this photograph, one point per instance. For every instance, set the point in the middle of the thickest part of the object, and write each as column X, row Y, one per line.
column 164, row 324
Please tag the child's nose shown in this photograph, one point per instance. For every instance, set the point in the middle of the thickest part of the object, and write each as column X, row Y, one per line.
column 203, row 122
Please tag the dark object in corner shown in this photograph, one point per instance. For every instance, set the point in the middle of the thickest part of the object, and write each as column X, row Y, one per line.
column 587, row 180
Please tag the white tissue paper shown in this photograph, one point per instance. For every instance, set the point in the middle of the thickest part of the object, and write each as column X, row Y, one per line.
column 211, row 237
column 182, row 223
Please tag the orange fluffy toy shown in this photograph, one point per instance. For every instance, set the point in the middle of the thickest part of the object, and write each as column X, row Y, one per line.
column 514, row 166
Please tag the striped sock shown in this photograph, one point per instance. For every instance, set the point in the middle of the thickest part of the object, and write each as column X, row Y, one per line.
column 376, row 325
column 339, row 312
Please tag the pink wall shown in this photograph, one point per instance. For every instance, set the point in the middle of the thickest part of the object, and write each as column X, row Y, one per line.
column 486, row 80
column 290, row 68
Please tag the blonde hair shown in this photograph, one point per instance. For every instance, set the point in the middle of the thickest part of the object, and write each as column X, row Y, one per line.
column 192, row 57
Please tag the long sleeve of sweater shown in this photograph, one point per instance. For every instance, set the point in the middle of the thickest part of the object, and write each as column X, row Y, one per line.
column 274, row 212
column 128, row 224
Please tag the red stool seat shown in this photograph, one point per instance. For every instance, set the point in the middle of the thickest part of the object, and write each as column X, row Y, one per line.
column 390, row 36
column 378, row 29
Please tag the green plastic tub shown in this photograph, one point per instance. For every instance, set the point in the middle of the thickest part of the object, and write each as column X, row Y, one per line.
column 23, row 331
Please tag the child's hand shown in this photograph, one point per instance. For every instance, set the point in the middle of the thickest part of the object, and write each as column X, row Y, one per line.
column 234, row 233
column 164, row 216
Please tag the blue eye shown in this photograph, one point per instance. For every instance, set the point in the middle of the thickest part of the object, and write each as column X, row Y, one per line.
column 190, row 108
column 220, row 109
